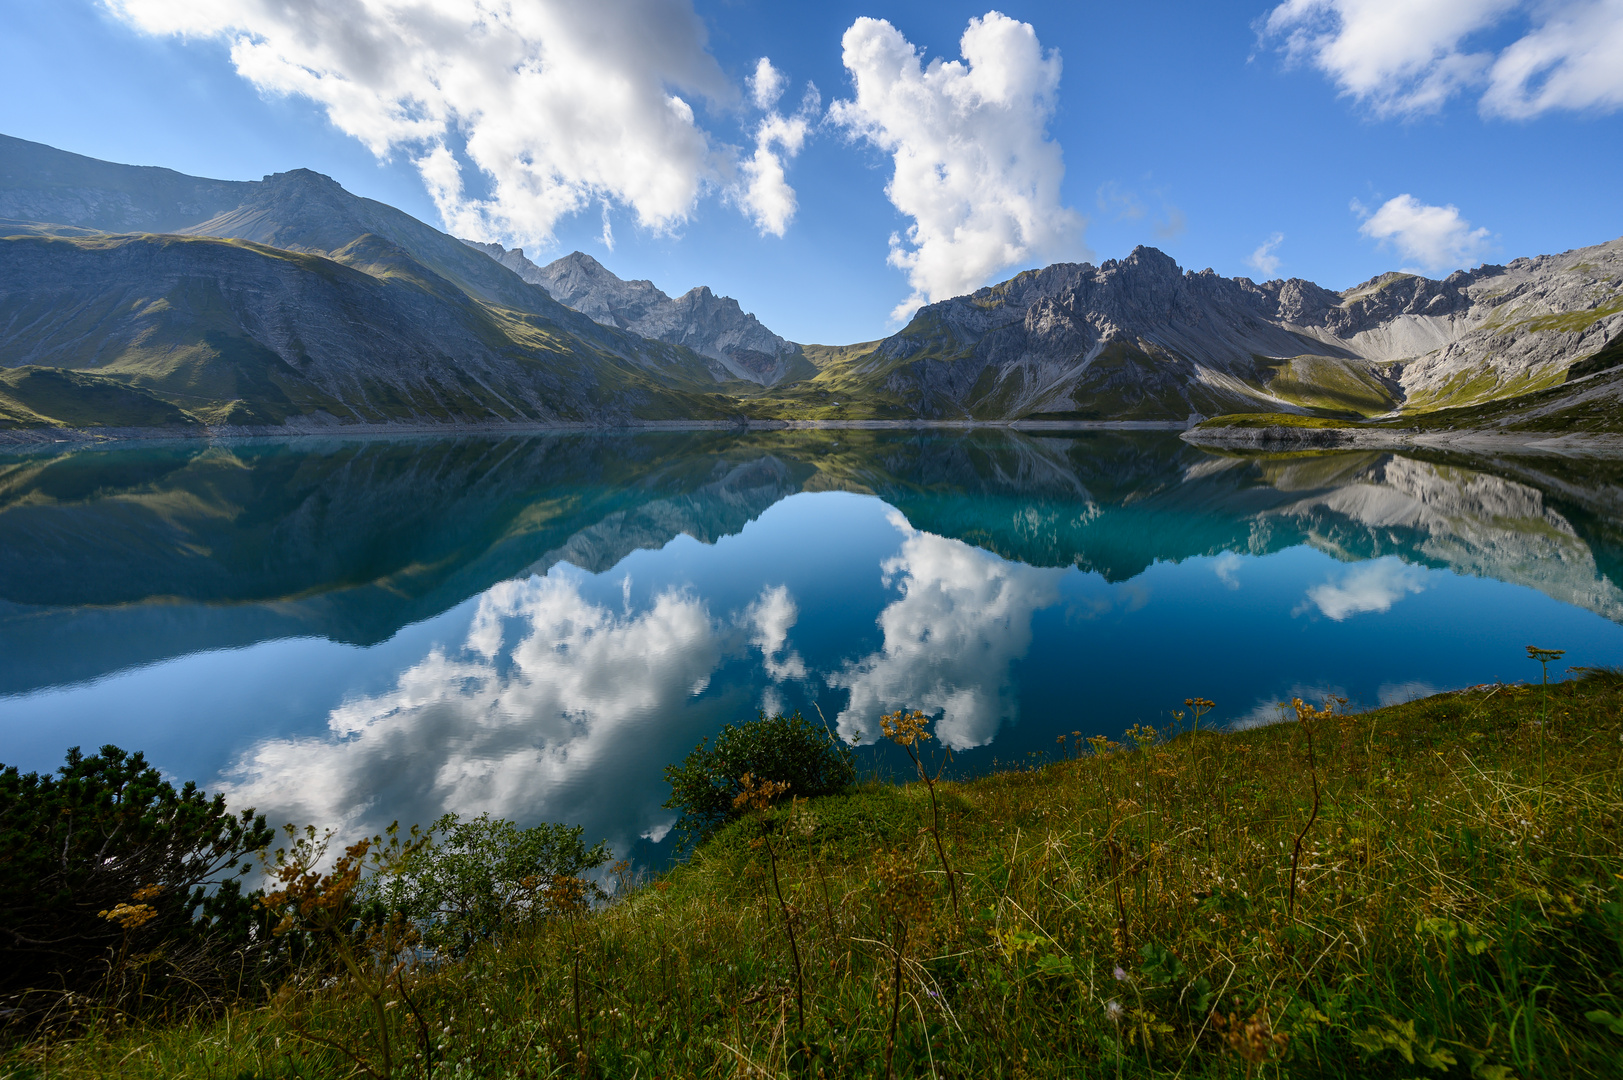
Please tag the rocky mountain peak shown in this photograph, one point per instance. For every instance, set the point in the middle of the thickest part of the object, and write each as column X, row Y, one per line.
column 303, row 177
column 715, row 327
column 1153, row 260
column 1138, row 336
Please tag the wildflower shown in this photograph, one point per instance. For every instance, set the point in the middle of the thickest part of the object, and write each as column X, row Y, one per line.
column 1121, row 975
column 129, row 916
column 905, row 729
column 1114, row 1011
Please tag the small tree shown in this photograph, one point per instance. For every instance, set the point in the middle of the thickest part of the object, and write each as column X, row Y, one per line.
column 105, row 860
column 788, row 750
column 476, row 879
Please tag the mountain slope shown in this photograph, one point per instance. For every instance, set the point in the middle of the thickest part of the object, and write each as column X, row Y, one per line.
column 711, row 325
column 239, row 333
column 338, row 310
column 42, row 183
column 1138, row 338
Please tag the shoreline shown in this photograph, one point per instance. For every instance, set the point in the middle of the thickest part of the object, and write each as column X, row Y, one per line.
column 1275, row 439
column 1283, row 439
column 56, row 436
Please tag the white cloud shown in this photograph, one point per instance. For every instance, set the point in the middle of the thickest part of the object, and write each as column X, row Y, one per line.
column 764, row 192
column 1406, row 57
column 1436, row 237
column 770, row 617
column 963, row 617
column 558, row 104
column 550, row 698
column 766, row 84
column 1369, row 587
column 974, row 167
column 1225, row 567
column 1264, row 259
column 1573, row 61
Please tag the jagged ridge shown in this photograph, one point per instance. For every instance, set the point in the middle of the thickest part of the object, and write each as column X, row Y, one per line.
column 1140, row 338
column 710, row 325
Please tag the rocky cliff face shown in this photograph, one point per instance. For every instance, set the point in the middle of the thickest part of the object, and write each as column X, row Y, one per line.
column 1139, row 337
column 712, row 326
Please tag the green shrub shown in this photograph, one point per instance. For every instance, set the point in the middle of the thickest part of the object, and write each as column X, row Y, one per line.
column 105, row 862
column 780, row 749
column 476, row 879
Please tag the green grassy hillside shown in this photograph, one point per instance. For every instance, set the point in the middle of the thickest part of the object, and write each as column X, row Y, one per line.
column 1432, row 889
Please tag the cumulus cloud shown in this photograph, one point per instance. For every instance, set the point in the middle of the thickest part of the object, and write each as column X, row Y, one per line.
column 974, row 167
column 1263, row 259
column 766, row 84
column 770, row 618
column 557, row 105
column 1369, row 587
column 764, row 190
column 549, row 698
column 1407, row 57
column 963, row 617
column 1436, row 237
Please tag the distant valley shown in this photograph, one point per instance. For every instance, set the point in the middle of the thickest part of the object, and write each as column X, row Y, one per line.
column 137, row 299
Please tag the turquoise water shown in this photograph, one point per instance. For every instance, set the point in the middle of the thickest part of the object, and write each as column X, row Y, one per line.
column 347, row 633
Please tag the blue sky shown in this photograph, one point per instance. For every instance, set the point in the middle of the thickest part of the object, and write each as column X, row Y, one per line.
column 1452, row 132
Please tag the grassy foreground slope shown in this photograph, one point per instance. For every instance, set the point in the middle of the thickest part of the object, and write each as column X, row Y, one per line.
column 1430, row 889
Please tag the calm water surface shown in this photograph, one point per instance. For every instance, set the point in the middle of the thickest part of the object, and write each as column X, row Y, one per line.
column 347, row 633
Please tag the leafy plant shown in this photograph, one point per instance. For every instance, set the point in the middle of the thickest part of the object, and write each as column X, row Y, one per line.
column 105, row 860
column 473, row 880
column 340, row 911
column 788, row 750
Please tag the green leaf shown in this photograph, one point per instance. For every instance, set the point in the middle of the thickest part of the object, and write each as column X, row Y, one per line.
column 1606, row 1020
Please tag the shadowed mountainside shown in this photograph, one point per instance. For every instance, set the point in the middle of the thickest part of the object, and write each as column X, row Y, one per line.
column 291, row 303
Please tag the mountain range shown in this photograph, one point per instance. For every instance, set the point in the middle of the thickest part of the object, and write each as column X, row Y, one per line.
column 135, row 297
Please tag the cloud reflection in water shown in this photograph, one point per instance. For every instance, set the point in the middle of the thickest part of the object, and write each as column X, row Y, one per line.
column 963, row 617
column 528, row 730
column 1369, row 587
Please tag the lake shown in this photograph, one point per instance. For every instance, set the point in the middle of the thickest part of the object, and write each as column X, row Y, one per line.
column 347, row 632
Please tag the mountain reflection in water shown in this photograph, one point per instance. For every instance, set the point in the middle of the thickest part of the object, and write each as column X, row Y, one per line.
column 349, row 632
